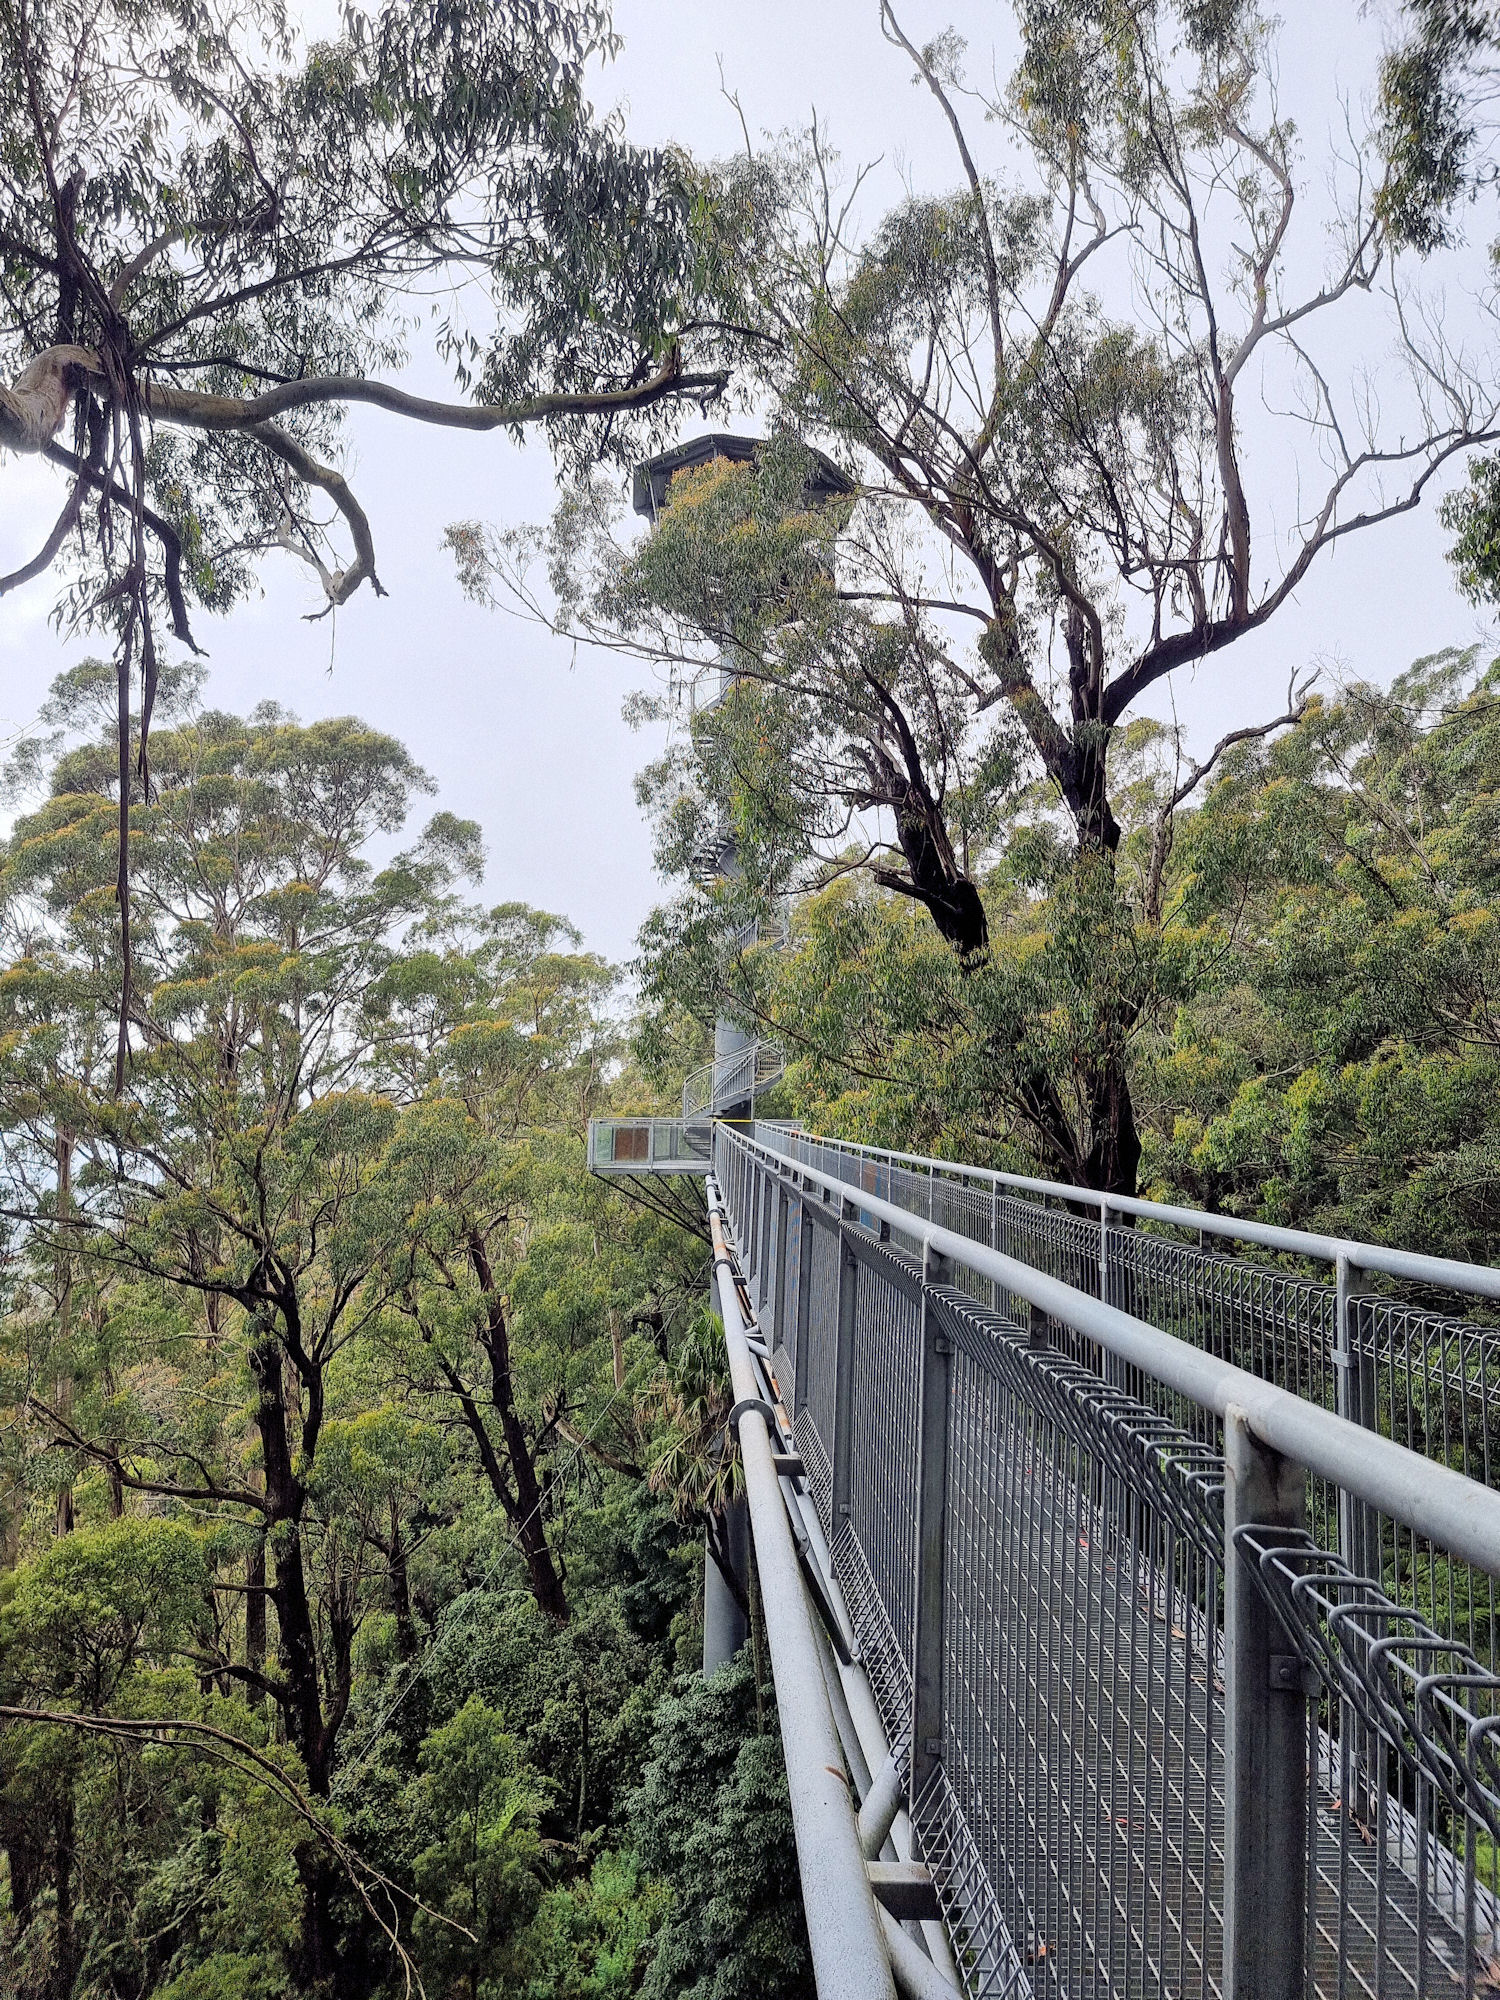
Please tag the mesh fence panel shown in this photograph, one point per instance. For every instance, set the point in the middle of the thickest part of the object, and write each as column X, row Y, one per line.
column 815, row 1367
column 883, row 1439
column 1081, row 1640
column 798, row 1231
column 1435, row 1385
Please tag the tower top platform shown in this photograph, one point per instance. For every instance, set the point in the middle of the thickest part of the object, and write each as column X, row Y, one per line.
column 648, row 492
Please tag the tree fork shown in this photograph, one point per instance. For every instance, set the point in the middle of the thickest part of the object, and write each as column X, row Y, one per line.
column 531, row 1528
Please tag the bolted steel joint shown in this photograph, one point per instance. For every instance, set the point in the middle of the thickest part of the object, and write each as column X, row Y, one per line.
column 743, row 1408
column 1291, row 1674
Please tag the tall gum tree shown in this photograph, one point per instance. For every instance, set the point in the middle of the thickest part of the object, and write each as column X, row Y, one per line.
column 217, row 236
column 328, row 1287
column 230, row 1200
column 504, row 1046
column 1097, row 413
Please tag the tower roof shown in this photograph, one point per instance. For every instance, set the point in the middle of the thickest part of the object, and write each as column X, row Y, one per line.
column 653, row 476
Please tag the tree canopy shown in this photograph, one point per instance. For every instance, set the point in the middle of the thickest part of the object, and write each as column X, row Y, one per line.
column 356, row 1443
column 1065, row 395
column 1317, row 1040
column 215, row 236
column 218, row 235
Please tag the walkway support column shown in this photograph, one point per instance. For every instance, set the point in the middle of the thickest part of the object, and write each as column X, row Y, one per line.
column 725, row 1628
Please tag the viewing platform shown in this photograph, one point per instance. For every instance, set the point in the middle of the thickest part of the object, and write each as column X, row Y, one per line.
column 649, row 1145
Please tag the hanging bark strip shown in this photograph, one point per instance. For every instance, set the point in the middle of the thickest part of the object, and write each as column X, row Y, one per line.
column 122, row 856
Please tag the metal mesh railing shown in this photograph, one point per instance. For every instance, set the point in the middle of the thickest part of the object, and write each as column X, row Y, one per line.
column 1429, row 1380
column 1079, row 1642
column 1075, row 1706
column 886, row 1358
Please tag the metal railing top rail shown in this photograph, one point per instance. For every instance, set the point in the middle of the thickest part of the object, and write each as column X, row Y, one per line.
column 1478, row 1280
column 1451, row 1509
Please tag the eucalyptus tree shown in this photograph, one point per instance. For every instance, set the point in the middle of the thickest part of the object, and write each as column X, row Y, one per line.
column 217, row 235
column 328, row 1301
column 1340, row 1069
column 1437, row 90
column 1438, row 129
column 231, row 1193
column 1096, row 413
column 497, row 1287
column 230, row 1201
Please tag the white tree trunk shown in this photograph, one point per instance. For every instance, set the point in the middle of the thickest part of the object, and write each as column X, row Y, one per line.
column 33, row 412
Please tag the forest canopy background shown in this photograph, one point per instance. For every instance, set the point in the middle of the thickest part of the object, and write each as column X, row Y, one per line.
column 495, row 699
column 356, row 1438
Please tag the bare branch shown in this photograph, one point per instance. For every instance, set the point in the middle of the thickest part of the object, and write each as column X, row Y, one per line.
column 339, row 585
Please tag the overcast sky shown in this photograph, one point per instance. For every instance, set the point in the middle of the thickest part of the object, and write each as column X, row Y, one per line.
column 518, row 735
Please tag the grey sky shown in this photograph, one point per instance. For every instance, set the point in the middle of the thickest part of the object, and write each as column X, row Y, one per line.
column 517, row 735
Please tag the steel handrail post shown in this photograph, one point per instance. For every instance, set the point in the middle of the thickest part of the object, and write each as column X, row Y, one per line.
column 767, row 1262
column 1104, row 1248
column 778, row 1311
column 841, row 1498
column 850, row 1961
column 767, row 1243
column 767, row 1194
column 931, row 1539
column 1265, row 1739
column 804, row 1297
column 994, row 1240
column 1356, row 1396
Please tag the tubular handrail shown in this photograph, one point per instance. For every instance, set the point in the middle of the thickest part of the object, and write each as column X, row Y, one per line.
column 849, row 1953
column 1478, row 1280
column 1455, row 1511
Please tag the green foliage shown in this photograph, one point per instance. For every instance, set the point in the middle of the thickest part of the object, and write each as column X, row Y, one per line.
column 892, row 1040
column 1307, row 1025
column 1340, row 1066
column 476, row 1874
column 1472, row 514
column 331, row 1383
column 1437, row 86
column 700, row 1467
column 1089, row 71
column 1433, row 87
column 244, row 204
column 76, row 1620
column 711, row 1819
column 592, row 1941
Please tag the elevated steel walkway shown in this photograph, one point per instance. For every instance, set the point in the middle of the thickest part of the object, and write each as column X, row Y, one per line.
column 1157, row 1549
